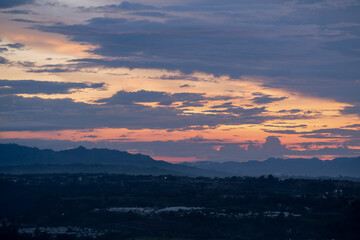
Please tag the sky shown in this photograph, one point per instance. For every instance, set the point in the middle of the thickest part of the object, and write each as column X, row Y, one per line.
column 199, row 80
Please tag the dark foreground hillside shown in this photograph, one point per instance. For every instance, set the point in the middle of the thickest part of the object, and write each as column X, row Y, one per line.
column 102, row 206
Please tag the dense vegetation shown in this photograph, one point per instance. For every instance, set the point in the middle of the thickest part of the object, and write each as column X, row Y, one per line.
column 224, row 208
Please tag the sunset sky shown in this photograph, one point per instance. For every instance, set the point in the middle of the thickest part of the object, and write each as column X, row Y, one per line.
column 183, row 80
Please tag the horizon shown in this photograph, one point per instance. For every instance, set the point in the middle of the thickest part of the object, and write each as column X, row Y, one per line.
column 183, row 81
column 176, row 162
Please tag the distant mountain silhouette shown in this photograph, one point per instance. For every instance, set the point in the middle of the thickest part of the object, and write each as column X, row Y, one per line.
column 20, row 159
column 314, row 167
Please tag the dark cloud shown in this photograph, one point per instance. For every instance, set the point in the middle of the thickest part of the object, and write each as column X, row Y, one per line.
column 240, row 111
column 224, row 105
column 181, row 77
column 353, row 126
column 321, row 136
column 45, row 87
column 347, row 47
column 15, row 45
column 13, row 3
column 309, row 145
column 152, row 14
column 27, row 64
column 286, row 126
column 3, row 60
column 24, row 20
column 326, row 133
column 351, row 110
column 124, row 6
column 52, row 70
column 3, row 50
column 281, row 131
column 24, row 12
column 90, row 136
column 265, row 99
column 163, row 98
column 292, row 111
column 121, row 111
column 301, row 45
column 126, row 98
column 246, row 111
column 338, row 132
column 134, row 6
column 166, row 44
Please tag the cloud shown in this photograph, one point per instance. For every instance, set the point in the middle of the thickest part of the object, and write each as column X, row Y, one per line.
column 90, row 136
column 352, row 110
column 124, row 6
column 152, row 14
column 181, row 77
column 337, row 132
column 347, row 47
column 52, row 70
column 292, row 111
column 26, row 64
column 224, row 105
column 120, row 111
column 134, row 6
column 325, row 133
column 17, row 11
column 3, row 60
column 246, row 111
column 300, row 45
column 123, row 97
column 213, row 150
column 15, row 45
column 265, row 99
column 230, row 108
column 163, row 98
column 281, row 131
column 24, row 20
column 286, row 126
column 14, row 3
column 3, row 50
column 202, row 149
column 353, row 126
column 44, row 87
column 149, row 44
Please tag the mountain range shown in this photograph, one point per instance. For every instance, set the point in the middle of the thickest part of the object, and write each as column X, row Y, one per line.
column 314, row 167
column 21, row 159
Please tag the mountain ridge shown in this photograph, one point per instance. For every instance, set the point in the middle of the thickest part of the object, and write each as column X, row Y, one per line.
column 311, row 167
column 15, row 158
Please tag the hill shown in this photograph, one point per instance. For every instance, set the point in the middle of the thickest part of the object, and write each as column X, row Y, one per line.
column 314, row 167
column 21, row 159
